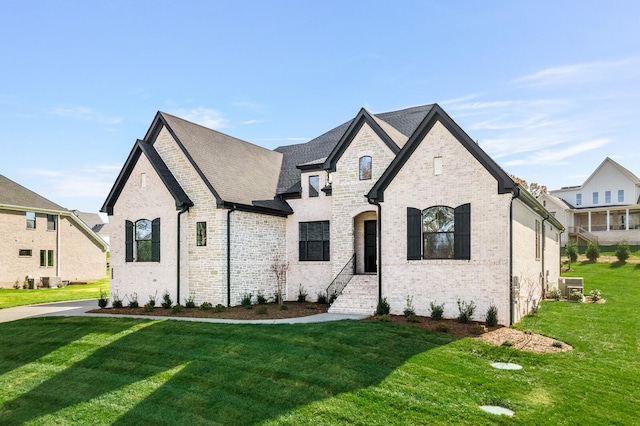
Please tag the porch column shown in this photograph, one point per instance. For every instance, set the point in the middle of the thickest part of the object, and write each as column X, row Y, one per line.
column 608, row 224
column 626, row 222
column 589, row 222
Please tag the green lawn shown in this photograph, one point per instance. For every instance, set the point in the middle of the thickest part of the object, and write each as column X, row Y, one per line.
column 11, row 297
column 127, row 371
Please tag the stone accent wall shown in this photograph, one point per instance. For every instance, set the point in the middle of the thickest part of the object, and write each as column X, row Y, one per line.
column 349, row 192
column 76, row 256
column 484, row 278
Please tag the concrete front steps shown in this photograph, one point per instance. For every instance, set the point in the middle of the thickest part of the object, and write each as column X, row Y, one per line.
column 360, row 296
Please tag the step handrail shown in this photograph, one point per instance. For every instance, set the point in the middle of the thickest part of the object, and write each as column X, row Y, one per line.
column 342, row 279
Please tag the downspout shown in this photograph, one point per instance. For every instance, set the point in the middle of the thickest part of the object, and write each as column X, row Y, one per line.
column 542, row 255
column 379, row 231
column 233, row 207
column 58, row 257
column 516, row 194
column 184, row 209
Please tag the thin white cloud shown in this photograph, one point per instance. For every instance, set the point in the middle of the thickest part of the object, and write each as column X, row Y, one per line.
column 255, row 121
column 206, row 117
column 558, row 156
column 84, row 113
column 582, row 73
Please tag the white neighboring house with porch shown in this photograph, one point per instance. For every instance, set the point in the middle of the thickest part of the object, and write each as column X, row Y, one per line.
column 604, row 209
column 386, row 205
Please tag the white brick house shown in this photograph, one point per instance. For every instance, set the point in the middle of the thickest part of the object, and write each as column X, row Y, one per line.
column 385, row 205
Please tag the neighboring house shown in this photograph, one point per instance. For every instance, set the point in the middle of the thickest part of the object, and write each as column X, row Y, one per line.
column 392, row 205
column 95, row 222
column 42, row 239
column 604, row 209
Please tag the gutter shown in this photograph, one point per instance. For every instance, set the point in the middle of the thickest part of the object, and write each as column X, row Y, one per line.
column 544, row 277
column 379, row 231
column 232, row 208
column 184, row 210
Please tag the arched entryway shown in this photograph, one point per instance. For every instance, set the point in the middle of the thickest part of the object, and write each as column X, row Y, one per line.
column 366, row 242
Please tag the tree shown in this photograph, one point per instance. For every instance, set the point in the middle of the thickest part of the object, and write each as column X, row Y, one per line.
column 534, row 188
column 622, row 251
column 279, row 266
column 593, row 251
column 571, row 250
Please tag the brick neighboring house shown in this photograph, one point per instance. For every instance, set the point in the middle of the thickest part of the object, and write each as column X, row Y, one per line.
column 42, row 239
column 604, row 209
column 385, row 205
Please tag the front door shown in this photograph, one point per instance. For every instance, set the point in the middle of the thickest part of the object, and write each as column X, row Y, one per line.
column 370, row 251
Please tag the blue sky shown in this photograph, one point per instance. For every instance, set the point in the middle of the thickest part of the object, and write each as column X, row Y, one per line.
column 547, row 88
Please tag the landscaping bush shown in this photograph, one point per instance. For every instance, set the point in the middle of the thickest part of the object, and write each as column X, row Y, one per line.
column 302, row 294
column 246, row 300
column 436, row 311
column 622, row 251
column 592, row 252
column 103, row 301
column 219, row 308
column 383, row 307
column 152, row 299
column 576, row 296
column 190, row 302
column 492, row 316
column 262, row 309
column 409, row 310
column 284, row 307
column 205, row 306
column 466, row 311
column 384, row 318
column 133, row 300
column 333, row 297
column 166, row 300
column 507, row 343
column 176, row 309
column 148, row 307
column 311, row 306
column 556, row 344
column 413, row 318
column 571, row 250
column 478, row 329
column 261, row 299
column 595, row 295
column 117, row 301
column 442, row 327
column 322, row 297
column 555, row 294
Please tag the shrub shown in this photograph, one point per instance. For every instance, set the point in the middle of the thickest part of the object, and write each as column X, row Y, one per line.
column 442, row 327
column 177, row 308
column 555, row 294
column 332, row 297
column 492, row 316
column 478, row 329
column 311, row 306
column 436, row 311
column 276, row 298
column 190, row 302
column 166, row 300
column 556, row 344
column 466, row 311
column 152, row 299
column 413, row 318
column 576, row 296
column 261, row 299
column 148, row 307
column 205, row 306
column 595, row 295
column 17, row 285
column 283, row 307
column 103, row 301
column 133, row 300
column 593, row 251
column 571, row 250
column 384, row 318
column 507, row 343
column 302, row 294
column 246, row 300
column 219, row 308
column 117, row 301
column 262, row 309
column 622, row 251
column 383, row 307
column 409, row 310
column 322, row 297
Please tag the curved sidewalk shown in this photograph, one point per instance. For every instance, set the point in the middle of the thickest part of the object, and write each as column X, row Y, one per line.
column 79, row 308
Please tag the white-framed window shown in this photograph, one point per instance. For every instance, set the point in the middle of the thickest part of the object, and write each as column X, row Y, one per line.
column 595, row 198
column 607, row 197
column 621, row 195
column 31, row 220
column 578, row 199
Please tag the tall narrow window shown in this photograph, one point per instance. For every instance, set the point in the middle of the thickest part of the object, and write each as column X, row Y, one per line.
column 314, row 240
column 607, row 196
column 621, row 195
column 578, row 199
column 143, row 180
column 314, row 186
column 201, row 233
column 49, row 257
column 143, row 240
column 144, row 237
column 365, row 167
column 437, row 166
column 537, row 240
column 51, row 222
column 43, row 258
column 31, row 220
column 595, row 198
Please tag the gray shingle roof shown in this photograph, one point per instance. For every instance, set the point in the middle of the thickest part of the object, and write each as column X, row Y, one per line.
column 238, row 171
column 14, row 194
column 405, row 121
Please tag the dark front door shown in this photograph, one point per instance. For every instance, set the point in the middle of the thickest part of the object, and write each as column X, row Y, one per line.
column 370, row 251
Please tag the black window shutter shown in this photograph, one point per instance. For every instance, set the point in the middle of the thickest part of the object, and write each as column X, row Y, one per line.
column 155, row 240
column 128, row 241
column 462, row 232
column 414, row 233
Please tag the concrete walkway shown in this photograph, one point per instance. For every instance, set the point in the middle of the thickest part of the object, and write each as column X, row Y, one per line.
column 78, row 308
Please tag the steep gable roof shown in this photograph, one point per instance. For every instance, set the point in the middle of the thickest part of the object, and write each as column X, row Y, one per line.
column 141, row 147
column 234, row 170
column 14, row 194
column 624, row 170
column 405, row 121
column 436, row 113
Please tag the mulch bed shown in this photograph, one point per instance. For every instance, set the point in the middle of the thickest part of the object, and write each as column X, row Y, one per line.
column 470, row 329
column 294, row 310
